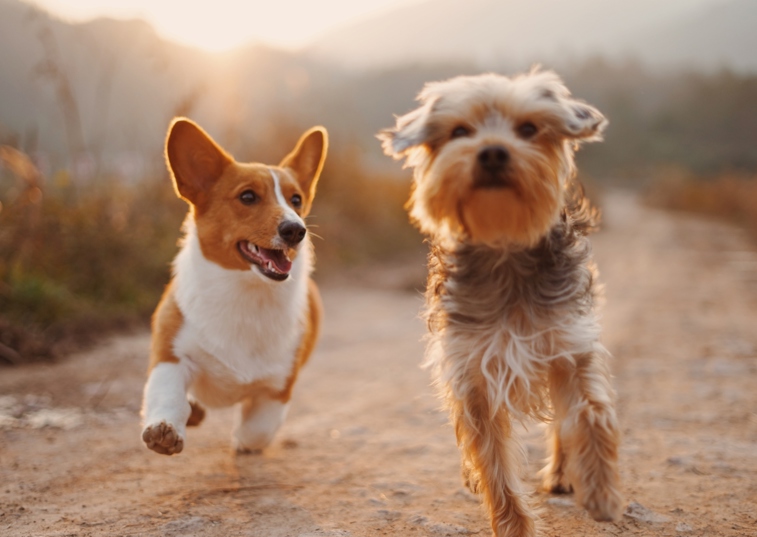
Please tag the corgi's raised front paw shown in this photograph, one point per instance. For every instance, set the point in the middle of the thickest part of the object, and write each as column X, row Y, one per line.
column 163, row 438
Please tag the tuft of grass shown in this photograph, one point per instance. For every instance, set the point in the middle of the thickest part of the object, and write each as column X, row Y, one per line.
column 730, row 196
column 77, row 258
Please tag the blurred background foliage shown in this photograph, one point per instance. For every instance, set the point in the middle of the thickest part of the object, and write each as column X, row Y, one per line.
column 76, row 258
column 89, row 221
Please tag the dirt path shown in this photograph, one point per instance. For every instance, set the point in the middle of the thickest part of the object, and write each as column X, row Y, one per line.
column 367, row 452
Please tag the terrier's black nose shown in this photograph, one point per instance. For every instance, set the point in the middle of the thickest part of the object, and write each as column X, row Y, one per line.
column 493, row 158
column 292, row 232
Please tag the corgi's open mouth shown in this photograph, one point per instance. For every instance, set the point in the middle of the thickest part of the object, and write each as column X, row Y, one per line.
column 272, row 263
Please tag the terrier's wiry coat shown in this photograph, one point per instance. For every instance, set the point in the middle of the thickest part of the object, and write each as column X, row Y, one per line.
column 511, row 292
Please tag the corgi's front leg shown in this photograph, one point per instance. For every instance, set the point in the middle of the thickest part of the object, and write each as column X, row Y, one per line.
column 165, row 408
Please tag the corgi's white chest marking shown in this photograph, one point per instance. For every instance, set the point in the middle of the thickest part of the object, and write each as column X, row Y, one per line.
column 236, row 323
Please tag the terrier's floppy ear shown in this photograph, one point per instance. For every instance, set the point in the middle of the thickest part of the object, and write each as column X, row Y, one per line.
column 409, row 132
column 570, row 117
column 582, row 122
column 307, row 158
column 194, row 159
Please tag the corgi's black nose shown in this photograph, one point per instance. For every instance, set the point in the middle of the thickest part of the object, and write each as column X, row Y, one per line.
column 493, row 158
column 292, row 232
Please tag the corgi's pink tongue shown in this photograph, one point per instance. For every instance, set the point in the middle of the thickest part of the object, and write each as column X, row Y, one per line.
column 278, row 258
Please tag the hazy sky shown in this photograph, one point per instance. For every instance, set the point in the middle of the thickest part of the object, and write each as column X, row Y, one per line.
column 221, row 24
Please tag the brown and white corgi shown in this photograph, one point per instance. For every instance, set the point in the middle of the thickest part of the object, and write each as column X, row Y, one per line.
column 241, row 315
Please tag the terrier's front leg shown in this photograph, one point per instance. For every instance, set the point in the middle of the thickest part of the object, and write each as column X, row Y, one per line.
column 590, row 434
column 553, row 474
column 491, row 462
column 165, row 408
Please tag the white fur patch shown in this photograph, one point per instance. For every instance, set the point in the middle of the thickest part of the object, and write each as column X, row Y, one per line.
column 290, row 214
column 239, row 327
column 165, row 396
column 255, row 429
column 513, row 363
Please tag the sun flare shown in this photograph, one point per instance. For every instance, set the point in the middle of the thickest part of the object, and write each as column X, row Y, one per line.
column 225, row 24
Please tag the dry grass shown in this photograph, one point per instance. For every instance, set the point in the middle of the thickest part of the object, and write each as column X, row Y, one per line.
column 76, row 259
column 729, row 196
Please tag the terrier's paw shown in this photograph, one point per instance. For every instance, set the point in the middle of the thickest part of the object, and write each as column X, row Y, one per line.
column 555, row 483
column 559, row 488
column 163, row 438
column 514, row 525
column 471, row 478
column 604, row 505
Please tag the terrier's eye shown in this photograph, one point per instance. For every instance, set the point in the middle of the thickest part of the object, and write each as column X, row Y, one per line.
column 527, row 130
column 248, row 197
column 296, row 201
column 460, row 131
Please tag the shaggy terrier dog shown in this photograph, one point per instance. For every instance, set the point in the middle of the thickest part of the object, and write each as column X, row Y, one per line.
column 512, row 286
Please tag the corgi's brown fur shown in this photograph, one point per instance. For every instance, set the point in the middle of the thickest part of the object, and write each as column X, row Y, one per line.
column 241, row 314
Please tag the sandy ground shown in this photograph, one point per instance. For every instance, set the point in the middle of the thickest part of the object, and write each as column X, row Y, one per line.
column 366, row 450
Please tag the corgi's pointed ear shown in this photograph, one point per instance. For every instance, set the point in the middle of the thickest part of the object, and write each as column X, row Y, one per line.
column 194, row 159
column 307, row 158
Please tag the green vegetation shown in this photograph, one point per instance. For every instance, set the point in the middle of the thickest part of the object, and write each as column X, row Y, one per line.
column 75, row 256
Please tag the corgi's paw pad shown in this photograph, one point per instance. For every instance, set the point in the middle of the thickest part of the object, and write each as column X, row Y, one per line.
column 163, row 438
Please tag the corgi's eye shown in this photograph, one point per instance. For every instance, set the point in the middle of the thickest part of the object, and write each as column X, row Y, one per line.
column 460, row 131
column 248, row 197
column 527, row 130
column 296, row 201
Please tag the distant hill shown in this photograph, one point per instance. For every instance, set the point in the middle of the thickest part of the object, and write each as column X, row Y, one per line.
column 124, row 83
column 108, row 67
column 100, row 94
column 701, row 34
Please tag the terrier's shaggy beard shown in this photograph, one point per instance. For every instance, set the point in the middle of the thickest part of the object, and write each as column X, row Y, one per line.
column 515, row 335
column 511, row 314
column 511, row 292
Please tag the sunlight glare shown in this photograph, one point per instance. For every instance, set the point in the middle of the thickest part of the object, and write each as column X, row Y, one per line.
column 225, row 24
